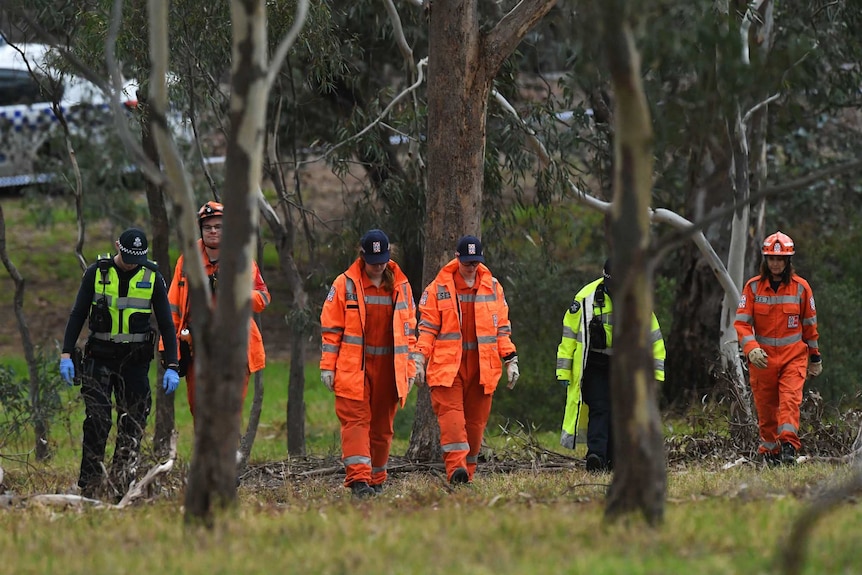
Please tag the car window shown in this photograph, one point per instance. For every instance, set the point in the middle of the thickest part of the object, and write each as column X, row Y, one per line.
column 20, row 87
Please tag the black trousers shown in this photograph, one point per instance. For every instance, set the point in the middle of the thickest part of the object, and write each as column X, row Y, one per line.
column 596, row 393
column 129, row 383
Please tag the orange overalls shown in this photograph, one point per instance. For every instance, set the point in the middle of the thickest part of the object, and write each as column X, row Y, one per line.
column 783, row 322
column 178, row 296
column 464, row 333
column 367, row 335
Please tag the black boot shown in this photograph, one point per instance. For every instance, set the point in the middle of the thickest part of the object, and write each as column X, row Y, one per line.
column 459, row 477
column 788, row 454
column 361, row 490
column 595, row 463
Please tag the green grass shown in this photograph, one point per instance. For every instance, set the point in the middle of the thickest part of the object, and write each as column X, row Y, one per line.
column 518, row 523
column 716, row 521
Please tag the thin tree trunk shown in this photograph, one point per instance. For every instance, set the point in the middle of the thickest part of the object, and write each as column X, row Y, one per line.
column 296, row 397
column 165, row 404
column 40, row 423
column 246, row 443
column 640, row 477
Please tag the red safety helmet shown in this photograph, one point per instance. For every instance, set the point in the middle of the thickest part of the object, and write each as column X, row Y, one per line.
column 778, row 244
column 210, row 210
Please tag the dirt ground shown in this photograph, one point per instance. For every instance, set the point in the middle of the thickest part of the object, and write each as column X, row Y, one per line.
column 323, row 193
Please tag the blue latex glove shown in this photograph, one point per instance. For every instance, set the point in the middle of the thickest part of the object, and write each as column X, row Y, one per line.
column 170, row 381
column 563, row 382
column 67, row 370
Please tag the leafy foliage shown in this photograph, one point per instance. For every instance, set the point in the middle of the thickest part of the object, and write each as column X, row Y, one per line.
column 18, row 404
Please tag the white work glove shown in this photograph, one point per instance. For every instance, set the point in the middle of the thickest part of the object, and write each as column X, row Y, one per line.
column 512, row 371
column 420, row 367
column 410, row 381
column 758, row 357
column 815, row 368
column 328, row 379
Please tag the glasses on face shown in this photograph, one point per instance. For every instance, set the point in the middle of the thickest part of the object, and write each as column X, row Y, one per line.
column 471, row 264
column 215, row 228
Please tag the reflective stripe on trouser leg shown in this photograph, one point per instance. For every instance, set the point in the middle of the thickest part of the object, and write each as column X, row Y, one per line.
column 790, row 383
column 448, row 404
column 764, row 388
column 355, row 418
column 477, row 408
column 380, row 379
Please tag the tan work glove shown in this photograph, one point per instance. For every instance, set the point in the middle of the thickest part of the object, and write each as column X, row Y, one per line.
column 328, row 379
column 815, row 368
column 758, row 357
column 410, row 381
column 512, row 371
column 420, row 367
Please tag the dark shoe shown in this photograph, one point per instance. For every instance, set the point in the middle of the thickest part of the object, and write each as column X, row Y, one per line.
column 378, row 489
column 362, row 490
column 788, row 454
column 459, row 477
column 595, row 463
column 771, row 459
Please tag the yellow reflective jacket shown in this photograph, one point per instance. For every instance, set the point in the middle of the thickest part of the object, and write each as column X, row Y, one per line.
column 571, row 356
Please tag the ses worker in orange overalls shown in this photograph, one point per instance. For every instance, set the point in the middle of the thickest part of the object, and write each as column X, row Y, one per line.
column 776, row 322
column 210, row 222
column 464, row 337
column 368, row 328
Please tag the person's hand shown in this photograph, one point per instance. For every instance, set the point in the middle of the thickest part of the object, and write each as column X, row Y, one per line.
column 67, row 370
column 758, row 357
column 170, row 381
column 410, row 382
column 563, row 382
column 815, row 368
column 512, row 371
column 420, row 366
column 328, row 379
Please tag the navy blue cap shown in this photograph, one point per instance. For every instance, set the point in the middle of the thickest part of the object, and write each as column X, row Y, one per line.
column 375, row 247
column 606, row 269
column 133, row 247
column 470, row 250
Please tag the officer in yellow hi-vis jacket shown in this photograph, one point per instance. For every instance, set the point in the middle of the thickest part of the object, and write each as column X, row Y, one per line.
column 118, row 296
column 583, row 367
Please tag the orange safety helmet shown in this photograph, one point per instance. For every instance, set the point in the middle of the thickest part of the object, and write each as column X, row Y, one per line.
column 778, row 244
column 210, row 209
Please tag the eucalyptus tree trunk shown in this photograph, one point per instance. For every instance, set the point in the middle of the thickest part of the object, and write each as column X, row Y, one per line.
column 165, row 414
column 462, row 64
column 640, row 477
column 221, row 350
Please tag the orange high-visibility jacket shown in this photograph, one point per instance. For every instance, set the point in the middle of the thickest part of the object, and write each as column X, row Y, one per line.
column 343, row 343
column 178, row 296
column 783, row 322
column 440, row 328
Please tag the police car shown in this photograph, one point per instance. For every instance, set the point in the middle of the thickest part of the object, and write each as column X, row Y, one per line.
column 33, row 93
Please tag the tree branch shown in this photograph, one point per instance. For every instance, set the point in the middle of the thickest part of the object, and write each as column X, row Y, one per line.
column 421, row 78
column 286, row 43
column 502, row 40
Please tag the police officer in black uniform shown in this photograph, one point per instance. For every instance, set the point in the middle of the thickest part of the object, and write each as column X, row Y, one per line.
column 118, row 294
